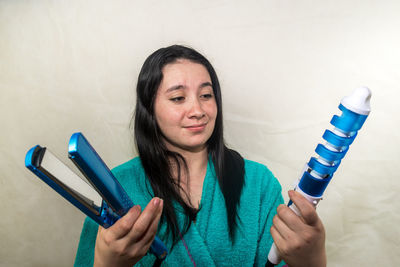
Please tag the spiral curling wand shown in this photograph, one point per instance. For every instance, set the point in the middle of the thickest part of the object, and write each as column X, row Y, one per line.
column 319, row 170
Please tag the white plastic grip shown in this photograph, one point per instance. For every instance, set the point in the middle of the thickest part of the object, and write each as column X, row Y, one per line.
column 274, row 256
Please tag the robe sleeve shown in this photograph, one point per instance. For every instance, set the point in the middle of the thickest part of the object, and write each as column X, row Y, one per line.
column 85, row 253
column 124, row 174
column 271, row 198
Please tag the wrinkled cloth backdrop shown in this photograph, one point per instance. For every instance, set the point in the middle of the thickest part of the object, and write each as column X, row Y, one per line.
column 68, row 66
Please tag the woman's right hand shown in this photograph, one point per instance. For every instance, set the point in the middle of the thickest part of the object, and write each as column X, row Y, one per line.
column 128, row 240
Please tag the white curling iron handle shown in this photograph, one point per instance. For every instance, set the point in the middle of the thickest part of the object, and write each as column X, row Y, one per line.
column 273, row 255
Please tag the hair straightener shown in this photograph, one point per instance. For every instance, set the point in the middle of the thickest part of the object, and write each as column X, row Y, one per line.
column 104, row 202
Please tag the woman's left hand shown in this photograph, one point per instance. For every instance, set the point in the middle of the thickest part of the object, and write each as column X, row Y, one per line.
column 300, row 240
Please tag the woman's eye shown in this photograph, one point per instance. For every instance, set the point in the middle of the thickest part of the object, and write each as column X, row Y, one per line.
column 207, row 96
column 177, row 99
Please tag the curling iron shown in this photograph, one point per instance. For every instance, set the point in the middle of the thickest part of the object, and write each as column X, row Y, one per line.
column 319, row 170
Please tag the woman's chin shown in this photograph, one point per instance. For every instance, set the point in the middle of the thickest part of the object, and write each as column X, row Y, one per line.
column 195, row 147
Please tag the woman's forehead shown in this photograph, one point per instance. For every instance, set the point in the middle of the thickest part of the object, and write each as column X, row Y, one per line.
column 183, row 73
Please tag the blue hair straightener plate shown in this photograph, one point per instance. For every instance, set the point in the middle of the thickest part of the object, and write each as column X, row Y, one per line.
column 104, row 202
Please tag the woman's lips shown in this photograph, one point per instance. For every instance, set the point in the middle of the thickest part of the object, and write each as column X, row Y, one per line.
column 196, row 128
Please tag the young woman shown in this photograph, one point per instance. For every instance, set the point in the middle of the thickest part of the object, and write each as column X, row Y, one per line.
column 210, row 206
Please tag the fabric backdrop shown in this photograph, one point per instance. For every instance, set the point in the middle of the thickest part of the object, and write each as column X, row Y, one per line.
column 68, row 66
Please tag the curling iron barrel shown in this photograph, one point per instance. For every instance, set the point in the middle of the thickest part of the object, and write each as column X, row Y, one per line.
column 319, row 170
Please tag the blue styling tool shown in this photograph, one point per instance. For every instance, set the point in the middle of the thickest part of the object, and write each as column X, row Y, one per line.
column 319, row 170
column 104, row 202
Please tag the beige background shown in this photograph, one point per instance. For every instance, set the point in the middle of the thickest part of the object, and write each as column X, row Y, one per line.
column 68, row 66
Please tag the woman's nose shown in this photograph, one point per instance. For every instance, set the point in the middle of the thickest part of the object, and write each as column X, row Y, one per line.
column 195, row 109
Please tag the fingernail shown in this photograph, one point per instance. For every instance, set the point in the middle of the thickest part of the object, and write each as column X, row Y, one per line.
column 156, row 201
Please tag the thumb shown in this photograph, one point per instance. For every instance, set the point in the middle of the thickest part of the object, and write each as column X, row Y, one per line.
column 307, row 210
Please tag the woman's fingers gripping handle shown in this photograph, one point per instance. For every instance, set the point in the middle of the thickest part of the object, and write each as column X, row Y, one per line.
column 124, row 225
column 306, row 209
column 146, row 225
column 125, row 242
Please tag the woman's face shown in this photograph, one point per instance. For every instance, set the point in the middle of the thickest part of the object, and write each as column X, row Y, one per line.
column 185, row 106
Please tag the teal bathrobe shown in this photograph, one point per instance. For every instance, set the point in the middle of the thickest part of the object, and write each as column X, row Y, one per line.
column 207, row 242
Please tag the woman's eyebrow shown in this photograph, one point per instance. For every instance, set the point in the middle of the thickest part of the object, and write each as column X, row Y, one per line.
column 175, row 87
column 180, row 86
column 205, row 84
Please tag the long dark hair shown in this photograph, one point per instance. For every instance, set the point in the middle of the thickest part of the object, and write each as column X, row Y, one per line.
column 156, row 158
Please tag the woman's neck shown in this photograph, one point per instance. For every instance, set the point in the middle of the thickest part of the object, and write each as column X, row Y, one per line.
column 196, row 158
column 196, row 161
column 192, row 182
